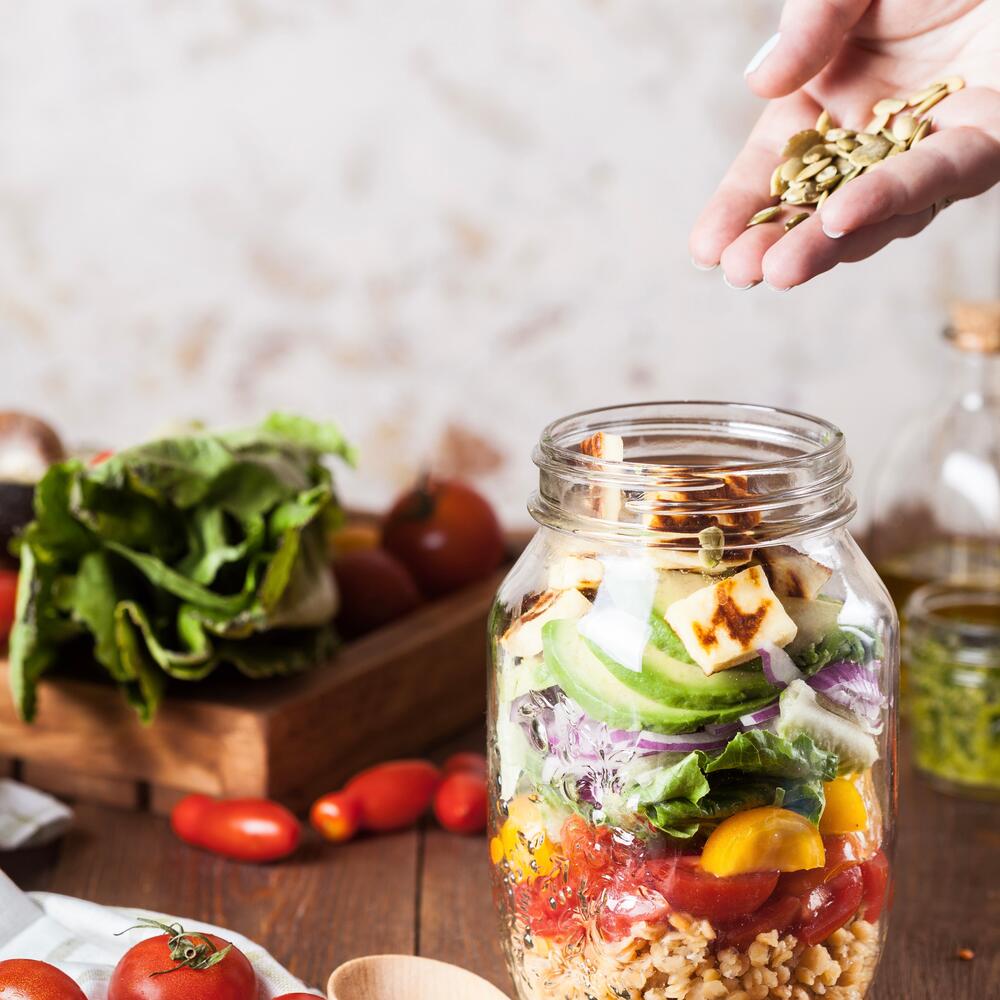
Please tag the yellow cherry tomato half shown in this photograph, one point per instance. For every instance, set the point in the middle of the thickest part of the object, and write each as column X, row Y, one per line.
column 845, row 810
column 523, row 844
column 768, row 839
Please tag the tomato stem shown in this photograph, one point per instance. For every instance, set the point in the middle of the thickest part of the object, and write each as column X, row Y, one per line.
column 188, row 951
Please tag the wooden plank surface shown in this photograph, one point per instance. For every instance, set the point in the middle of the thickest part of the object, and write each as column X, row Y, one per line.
column 426, row 891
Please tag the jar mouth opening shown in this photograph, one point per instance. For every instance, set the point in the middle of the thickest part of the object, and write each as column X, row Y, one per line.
column 674, row 468
column 940, row 605
column 795, row 437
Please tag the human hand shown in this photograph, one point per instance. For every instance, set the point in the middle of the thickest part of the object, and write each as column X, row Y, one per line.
column 844, row 55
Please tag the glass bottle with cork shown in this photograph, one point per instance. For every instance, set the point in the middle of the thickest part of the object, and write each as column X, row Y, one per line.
column 936, row 512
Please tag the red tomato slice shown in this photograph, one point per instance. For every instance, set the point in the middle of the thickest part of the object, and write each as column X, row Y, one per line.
column 688, row 887
column 550, row 908
column 628, row 902
column 8, row 601
column 841, row 853
column 778, row 914
column 830, row 905
column 875, row 876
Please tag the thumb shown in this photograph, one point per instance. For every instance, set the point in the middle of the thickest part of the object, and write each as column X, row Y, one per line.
column 811, row 33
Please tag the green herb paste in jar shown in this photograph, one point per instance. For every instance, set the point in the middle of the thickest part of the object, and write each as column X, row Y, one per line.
column 952, row 636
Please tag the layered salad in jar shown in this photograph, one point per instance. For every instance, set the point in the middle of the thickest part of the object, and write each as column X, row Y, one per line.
column 689, row 760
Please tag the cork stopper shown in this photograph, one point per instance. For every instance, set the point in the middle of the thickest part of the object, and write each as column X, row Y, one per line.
column 975, row 326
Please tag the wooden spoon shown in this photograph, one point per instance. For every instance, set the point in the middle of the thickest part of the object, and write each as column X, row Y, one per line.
column 405, row 977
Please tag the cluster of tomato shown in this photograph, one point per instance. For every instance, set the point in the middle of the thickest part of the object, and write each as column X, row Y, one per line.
column 437, row 538
column 390, row 796
column 199, row 966
column 620, row 884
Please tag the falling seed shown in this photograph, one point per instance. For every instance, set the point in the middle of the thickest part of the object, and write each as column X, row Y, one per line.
column 795, row 220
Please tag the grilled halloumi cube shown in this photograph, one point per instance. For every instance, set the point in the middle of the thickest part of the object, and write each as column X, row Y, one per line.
column 576, row 573
column 610, row 448
column 524, row 637
column 725, row 623
column 792, row 573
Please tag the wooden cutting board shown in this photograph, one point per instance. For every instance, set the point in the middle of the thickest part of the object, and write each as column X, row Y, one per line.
column 393, row 693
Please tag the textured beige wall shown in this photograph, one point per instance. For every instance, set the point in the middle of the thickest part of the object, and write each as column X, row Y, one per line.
column 443, row 222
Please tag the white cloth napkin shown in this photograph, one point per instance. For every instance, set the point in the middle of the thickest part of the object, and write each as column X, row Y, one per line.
column 28, row 817
column 79, row 938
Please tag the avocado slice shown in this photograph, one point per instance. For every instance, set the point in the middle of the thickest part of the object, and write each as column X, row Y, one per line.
column 668, row 679
column 582, row 674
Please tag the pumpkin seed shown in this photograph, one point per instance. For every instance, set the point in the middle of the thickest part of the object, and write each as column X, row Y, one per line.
column 801, row 142
column 816, row 153
column 871, row 152
column 921, row 95
column 926, row 105
column 878, row 123
column 888, row 106
column 833, row 134
column 953, row 83
column 922, row 128
column 847, row 144
column 824, row 121
column 795, row 220
column 790, row 168
column 778, row 183
column 764, row 215
column 821, row 199
column 903, row 127
column 813, row 169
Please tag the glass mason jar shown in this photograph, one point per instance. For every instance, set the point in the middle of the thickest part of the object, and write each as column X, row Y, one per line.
column 952, row 646
column 692, row 715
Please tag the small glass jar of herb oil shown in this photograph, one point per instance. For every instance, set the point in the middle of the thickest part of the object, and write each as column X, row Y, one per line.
column 953, row 650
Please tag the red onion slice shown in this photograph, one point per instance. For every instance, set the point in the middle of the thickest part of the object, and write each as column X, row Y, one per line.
column 779, row 668
column 761, row 716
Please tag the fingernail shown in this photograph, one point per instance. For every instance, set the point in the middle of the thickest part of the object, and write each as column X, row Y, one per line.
column 778, row 288
column 832, row 233
column 703, row 267
column 762, row 53
column 739, row 288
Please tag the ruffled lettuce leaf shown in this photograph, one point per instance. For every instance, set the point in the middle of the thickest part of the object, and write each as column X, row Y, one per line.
column 176, row 556
column 755, row 768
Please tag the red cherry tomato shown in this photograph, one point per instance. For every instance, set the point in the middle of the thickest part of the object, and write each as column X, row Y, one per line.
column 551, row 908
column 465, row 761
column 138, row 975
column 446, row 534
column 780, row 914
column 841, row 854
column 628, row 901
column 26, row 979
column 396, row 794
column 461, row 803
column 875, row 876
column 829, row 906
column 375, row 589
column 8, row 602
column 255, row 830
column 688, row 887
column 337, row 816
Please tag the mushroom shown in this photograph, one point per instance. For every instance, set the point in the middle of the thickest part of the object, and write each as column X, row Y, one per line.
column 28, row 446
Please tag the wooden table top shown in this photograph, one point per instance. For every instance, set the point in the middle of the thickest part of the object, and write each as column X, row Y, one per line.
column 426, row 892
